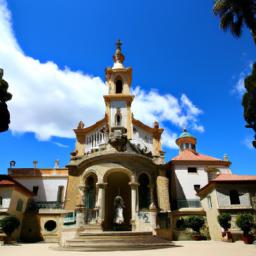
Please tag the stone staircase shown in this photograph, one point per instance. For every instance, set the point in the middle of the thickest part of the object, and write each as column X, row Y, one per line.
column 113, row 240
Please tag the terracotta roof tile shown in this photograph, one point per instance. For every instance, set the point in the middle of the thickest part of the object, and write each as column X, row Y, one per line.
column 188, row 155
column 234, row 177
column 6, row 182
column 227, row 178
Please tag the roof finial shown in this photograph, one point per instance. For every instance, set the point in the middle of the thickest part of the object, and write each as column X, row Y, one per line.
column 185, row 130
column 118, row 44
column 118, row 56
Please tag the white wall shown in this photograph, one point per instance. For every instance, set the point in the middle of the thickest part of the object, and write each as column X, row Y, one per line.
column 6, row 194
column 48, row 186
column 185, row 181
column 123, row 109
column 143, row 138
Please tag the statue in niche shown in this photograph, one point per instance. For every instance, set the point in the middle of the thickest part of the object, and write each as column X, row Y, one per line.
column 119, row 207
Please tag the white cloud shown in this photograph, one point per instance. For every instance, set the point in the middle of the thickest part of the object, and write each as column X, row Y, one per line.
column 60, row 144
column 50, row 102
column 248, row 143
column 239, row 85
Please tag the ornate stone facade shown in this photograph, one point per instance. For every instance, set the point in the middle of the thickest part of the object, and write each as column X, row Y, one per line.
column 117, row 156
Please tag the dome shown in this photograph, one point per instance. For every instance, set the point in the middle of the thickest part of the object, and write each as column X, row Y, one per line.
column 185, row 134
column 186, row 141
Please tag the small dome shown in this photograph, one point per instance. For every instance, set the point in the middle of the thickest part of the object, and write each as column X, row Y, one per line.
column 186, row 141
column 185, row 134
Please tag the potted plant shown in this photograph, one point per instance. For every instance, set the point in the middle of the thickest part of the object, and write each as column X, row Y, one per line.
column 195, row 223
column 9, row 224
column 224, row 221
column 245, row 222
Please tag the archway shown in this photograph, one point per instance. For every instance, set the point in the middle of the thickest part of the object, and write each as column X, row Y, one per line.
column 117, row 184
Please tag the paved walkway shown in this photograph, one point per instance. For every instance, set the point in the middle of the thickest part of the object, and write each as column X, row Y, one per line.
column 182, row 248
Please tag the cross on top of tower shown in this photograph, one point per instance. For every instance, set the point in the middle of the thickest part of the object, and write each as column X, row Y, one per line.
column 118, row 44
column 118, row 56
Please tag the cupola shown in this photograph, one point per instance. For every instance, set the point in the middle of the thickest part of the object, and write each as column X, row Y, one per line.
column 186, row 141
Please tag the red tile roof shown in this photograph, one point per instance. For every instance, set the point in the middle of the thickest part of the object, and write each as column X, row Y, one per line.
column 6, row 180
column 189, row 155
column 234, row 177
column 228, row 178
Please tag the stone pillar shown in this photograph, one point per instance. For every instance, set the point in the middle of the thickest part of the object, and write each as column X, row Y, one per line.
column 80, row 216
column 80, row 207
column 134, row 188
column 163, row 191
column 153, row 214
column 151, row 191
column 101, row 201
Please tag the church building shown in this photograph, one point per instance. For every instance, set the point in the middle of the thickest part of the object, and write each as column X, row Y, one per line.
column 118, row 156
column 119, row 185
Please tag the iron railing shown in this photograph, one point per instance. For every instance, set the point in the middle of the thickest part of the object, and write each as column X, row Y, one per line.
column 191, row 203
column 46, row 205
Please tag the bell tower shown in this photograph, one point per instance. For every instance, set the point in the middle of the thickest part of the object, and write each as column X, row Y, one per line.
column 119, row 99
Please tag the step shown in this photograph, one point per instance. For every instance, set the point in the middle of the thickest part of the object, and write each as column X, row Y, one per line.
column 112, row 248
column 115, row 233
column 114, row 238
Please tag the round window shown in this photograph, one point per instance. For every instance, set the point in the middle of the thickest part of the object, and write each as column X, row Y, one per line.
column 50, row 225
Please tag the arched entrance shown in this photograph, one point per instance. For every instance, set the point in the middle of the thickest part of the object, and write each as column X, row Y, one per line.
column 117, row 184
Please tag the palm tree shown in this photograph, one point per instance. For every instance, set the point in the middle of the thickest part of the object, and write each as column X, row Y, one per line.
column 234, row 14
column 4, row 96
column 249, row 102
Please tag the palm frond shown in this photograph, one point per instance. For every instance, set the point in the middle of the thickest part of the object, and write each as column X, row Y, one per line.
column 227, row 20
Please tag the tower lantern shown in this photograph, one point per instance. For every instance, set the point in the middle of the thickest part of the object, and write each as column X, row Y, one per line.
column 186, row 141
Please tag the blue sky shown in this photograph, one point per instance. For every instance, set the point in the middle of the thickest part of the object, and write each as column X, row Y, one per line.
column 186, row 72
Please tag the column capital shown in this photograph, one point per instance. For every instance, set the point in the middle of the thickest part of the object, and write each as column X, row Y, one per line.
column 101, row 184
column 134, row 184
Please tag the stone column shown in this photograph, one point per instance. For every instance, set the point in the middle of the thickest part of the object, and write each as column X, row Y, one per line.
column 163, row 191
column 151, row 191
column 134, row 188
column 101, row 201
column 80, row 207
column 153, row 215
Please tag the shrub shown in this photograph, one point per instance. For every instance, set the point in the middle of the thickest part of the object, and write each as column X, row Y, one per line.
column 245, row 222
column 224, row 221
column 195, row 223
column 181, row 224
column 9, row 224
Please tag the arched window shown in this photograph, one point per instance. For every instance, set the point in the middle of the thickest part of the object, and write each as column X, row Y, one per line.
column 118, row 117
column 90, row 192
column 144, row 192
column 234, row 197
column 119, row 86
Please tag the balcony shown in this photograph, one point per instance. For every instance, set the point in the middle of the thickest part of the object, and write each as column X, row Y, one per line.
column 46, row 205
column 69, row 218
column 192, row 203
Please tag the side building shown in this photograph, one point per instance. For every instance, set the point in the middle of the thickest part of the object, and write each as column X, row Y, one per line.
column 44, row 216
column 189, row 171
column 14, row 201
column 228, row 193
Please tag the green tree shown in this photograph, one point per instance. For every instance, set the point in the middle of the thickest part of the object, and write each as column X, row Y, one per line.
column 9, row 224
column 224, row 221
column 245, row 222
column 235, row 14
column 4, row 96
column 195, row 223
column 249, row 102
